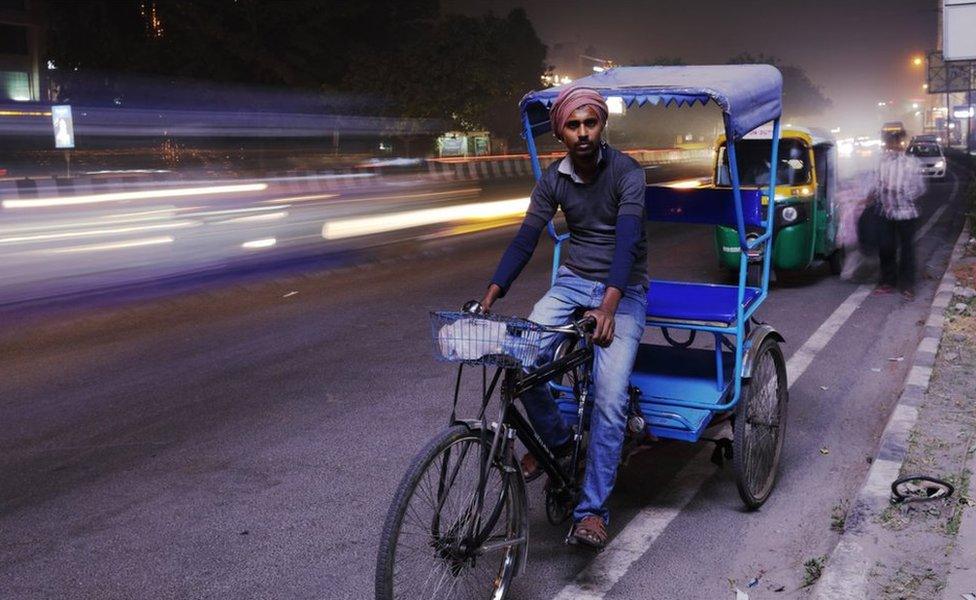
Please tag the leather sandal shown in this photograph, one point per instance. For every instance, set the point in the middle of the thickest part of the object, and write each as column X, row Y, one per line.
column 590, row 532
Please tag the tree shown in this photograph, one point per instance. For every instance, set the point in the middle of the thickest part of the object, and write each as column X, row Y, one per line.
column 299, row 43
column 801, row 96
column 473, row 70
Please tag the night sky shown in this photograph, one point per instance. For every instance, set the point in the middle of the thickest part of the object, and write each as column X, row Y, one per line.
column 858, row 51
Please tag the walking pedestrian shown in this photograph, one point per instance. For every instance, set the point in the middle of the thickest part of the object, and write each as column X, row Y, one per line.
column 899, row 184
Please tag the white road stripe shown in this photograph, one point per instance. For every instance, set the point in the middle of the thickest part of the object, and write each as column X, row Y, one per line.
column 801, row 359
column 631, row 543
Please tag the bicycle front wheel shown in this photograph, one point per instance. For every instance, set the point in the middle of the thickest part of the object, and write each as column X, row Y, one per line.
column 439, row 539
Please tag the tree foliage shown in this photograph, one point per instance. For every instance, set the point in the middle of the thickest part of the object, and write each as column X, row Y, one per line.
column 471, row 69
column 801, row 96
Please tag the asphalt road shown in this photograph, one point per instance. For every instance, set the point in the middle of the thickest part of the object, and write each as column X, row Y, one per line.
column 242, row 437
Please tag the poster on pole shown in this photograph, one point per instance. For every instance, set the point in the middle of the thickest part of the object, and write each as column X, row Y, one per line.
column 64, row 127
column 958, row 25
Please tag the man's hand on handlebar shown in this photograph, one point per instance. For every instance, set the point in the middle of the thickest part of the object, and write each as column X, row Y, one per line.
column 603, row 329
column 491, row 294
column 603, row 333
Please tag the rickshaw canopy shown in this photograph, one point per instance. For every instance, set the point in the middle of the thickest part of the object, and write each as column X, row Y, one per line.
column 749, row 95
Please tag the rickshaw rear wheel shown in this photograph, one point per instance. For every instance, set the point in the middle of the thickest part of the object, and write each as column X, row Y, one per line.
column 760, row 421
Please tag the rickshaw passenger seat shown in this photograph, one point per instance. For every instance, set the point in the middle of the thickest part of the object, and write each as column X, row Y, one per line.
column 679, row 301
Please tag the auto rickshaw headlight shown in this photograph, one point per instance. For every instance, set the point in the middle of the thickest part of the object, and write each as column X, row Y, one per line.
column 789, row 214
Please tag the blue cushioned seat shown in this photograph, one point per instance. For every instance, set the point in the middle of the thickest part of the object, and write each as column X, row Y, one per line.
column 678, row 301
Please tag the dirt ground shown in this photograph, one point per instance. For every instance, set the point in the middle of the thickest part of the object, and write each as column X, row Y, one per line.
column 923, row 534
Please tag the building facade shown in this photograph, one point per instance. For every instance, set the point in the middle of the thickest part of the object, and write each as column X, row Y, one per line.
column 22, row 30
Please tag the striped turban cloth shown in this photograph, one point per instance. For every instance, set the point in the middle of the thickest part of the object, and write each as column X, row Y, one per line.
column 571, row 99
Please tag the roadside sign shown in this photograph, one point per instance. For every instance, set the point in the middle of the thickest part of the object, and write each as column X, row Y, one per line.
column 949, row 77
column 963, row 112
column 958, row 25
column 64, row 127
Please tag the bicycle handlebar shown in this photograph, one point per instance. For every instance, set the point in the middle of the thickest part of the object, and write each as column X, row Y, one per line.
column 580, row 327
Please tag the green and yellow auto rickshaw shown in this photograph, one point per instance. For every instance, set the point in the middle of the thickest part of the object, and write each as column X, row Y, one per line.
column 804, row 207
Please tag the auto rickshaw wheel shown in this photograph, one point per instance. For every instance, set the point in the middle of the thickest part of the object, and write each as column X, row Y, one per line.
column 760, row 420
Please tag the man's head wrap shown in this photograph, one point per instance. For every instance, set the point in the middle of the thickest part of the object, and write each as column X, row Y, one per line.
column 571, row 99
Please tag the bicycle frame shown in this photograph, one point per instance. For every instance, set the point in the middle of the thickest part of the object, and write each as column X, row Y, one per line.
column 514, row 425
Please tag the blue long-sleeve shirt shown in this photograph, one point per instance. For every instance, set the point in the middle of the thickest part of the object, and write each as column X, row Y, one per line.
column 605, row 218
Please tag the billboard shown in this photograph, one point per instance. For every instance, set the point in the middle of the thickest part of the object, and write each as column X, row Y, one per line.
column 958, row 25
column 948, row 77
column 64, row 127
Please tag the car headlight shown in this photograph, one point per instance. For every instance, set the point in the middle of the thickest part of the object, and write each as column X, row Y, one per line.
column 789, row 214
column 940, row 164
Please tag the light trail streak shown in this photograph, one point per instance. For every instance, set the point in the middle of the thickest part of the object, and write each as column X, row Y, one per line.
column 684, row 184
column 153, row 241
column 256, row 218
column 301, row 198
column 140, row 195
column 346, row 228
column 262, row 243
column 42, row 237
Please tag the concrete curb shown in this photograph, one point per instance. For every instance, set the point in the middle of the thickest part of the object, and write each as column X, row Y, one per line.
column 846, row 573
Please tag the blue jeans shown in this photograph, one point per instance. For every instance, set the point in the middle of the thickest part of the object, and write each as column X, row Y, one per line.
column 611, row 377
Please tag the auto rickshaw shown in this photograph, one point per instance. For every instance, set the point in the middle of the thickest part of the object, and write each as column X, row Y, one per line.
column 805, row 202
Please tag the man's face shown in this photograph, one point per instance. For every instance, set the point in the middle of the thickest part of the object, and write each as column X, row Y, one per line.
column 582, row 133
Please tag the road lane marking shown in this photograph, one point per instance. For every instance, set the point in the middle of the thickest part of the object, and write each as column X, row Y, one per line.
column 636, row 538
column 801, row 359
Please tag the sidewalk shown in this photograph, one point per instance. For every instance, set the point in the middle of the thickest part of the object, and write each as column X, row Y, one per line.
column 923, row 549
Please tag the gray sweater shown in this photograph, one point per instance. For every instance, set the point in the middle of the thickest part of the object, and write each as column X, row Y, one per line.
column 591, row 211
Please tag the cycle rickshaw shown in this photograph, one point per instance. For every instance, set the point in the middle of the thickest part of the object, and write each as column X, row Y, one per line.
column 458, row 524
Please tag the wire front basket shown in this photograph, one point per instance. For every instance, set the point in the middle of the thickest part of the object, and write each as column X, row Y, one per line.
column 485, row 339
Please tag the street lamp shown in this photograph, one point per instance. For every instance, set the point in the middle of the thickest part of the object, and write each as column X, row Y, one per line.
column 917, row 61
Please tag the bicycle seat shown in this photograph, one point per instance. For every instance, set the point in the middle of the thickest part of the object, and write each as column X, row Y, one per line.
column 683, row 302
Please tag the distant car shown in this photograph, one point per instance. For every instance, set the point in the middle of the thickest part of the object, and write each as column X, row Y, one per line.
column 931, row 160
column 930, row 138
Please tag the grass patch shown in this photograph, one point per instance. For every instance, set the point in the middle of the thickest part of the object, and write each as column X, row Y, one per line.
column 813, row 569
column 962, row 488
column 908, row 581
column 838, row 517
